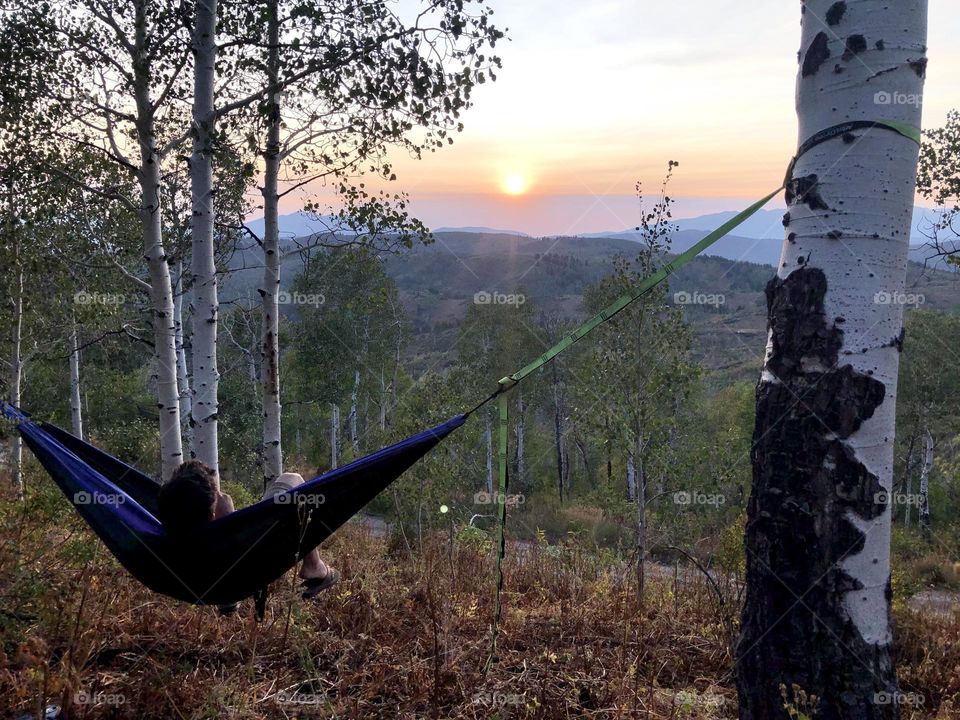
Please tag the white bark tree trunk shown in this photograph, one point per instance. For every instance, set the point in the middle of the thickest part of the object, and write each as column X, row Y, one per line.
column 161, row 291
column 488, row 438
column 270, row 334
column 354, row 438
column 16, row 363
column 818, row 527
column 183, row 373
column 631, row 479
column 334, row 436
column 520, row 434
column 383, row 402
column 76, row 406
column 206, row 378
column 925, row 485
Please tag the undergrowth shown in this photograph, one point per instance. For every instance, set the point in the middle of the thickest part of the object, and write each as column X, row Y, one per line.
column 401, row 636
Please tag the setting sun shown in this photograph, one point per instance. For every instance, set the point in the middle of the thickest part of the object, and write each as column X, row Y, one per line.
column 515, row 184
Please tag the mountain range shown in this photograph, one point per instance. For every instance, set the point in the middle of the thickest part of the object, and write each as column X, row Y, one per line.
column 758, row 240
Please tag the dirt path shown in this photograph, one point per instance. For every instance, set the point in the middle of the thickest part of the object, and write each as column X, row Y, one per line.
column 935, row 603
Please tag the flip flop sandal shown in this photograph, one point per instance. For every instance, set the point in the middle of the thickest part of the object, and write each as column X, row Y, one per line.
column 224, row 610
column 314, row 586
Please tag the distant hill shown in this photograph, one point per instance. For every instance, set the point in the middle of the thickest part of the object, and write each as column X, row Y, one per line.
column 438, row 283
column 479, row 230
column 758, row 239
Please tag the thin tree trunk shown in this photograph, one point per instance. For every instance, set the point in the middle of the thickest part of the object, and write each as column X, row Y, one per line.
column 383, row 402
column 641, row 500
column 396, row 376
column 206, row 378
column 183, row 373
column 817, row 608
column 631, row 479
column 907, row 514
column 334, row 435
column 558, row 430
column 520, row 434
column 925, row 486
column 354, row 438
column 16, row 361
column 76, row 407
column 161, row 290
column 907, row 467
column 488, row 438
column 270, row 343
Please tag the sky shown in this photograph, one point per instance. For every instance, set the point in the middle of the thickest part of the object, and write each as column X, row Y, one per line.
column 594, row 96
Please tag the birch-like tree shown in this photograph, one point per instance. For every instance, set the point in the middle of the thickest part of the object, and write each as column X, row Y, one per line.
column 206, row 377
column 816, row 632
column 343, row 81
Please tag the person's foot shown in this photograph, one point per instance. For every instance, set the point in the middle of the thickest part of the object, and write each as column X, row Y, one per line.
column 314, row 586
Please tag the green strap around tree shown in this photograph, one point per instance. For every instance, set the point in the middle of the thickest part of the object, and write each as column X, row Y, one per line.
column 648, row 283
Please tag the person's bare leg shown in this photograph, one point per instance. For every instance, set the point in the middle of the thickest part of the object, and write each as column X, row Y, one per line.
column 312, row 567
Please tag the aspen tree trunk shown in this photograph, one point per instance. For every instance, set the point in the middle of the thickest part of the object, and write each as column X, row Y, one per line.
column 16, row 360
column 354, row 438
column 206, row 378
column 394, row 390
column 488, row 438
column 334, row 435
column 925, row 486
column 907, row 514
column 520, row 434
column 76, row 407
column 558, row 431
column 817, row 609
column 383, row 402
column 183, row 375
column 270, row 331
column 161, row 291
column 631, row 479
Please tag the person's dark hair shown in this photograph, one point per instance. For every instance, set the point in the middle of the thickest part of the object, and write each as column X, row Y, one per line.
column 186, row 501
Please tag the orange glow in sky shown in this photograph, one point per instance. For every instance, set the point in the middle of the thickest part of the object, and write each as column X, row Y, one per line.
column 593, row 97
column 515, row 184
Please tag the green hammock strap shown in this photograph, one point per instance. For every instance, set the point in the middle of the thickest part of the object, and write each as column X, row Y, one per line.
column 647, row 284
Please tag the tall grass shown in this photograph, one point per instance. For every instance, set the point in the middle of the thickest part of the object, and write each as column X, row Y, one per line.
column 402, row 636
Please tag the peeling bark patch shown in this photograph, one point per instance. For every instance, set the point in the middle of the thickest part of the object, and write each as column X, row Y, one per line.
column 856, row 44
column 816, row 55
column 805, row 191
column 836, row 12
column 806, row 480
column 919, row 67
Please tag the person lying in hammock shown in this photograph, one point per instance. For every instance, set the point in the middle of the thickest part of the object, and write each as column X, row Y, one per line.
column 190, row 498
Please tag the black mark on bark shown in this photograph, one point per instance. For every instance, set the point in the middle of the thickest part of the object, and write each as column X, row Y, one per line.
column 816, row 54
column 856, row 44
column 836, row 12
column 805, row 191
column 806, row 480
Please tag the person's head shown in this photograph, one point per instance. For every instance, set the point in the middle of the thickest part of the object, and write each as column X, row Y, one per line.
column 187, row 500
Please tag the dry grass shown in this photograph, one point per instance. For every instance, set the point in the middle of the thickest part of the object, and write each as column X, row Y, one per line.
column 398, row 638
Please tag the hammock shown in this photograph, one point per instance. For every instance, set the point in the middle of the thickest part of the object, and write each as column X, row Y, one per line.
column 225, row 560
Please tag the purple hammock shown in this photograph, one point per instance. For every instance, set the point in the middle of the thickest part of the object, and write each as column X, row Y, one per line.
column 225, row 560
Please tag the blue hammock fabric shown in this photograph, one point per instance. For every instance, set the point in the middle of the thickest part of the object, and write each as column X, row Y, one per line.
column 228, row 559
